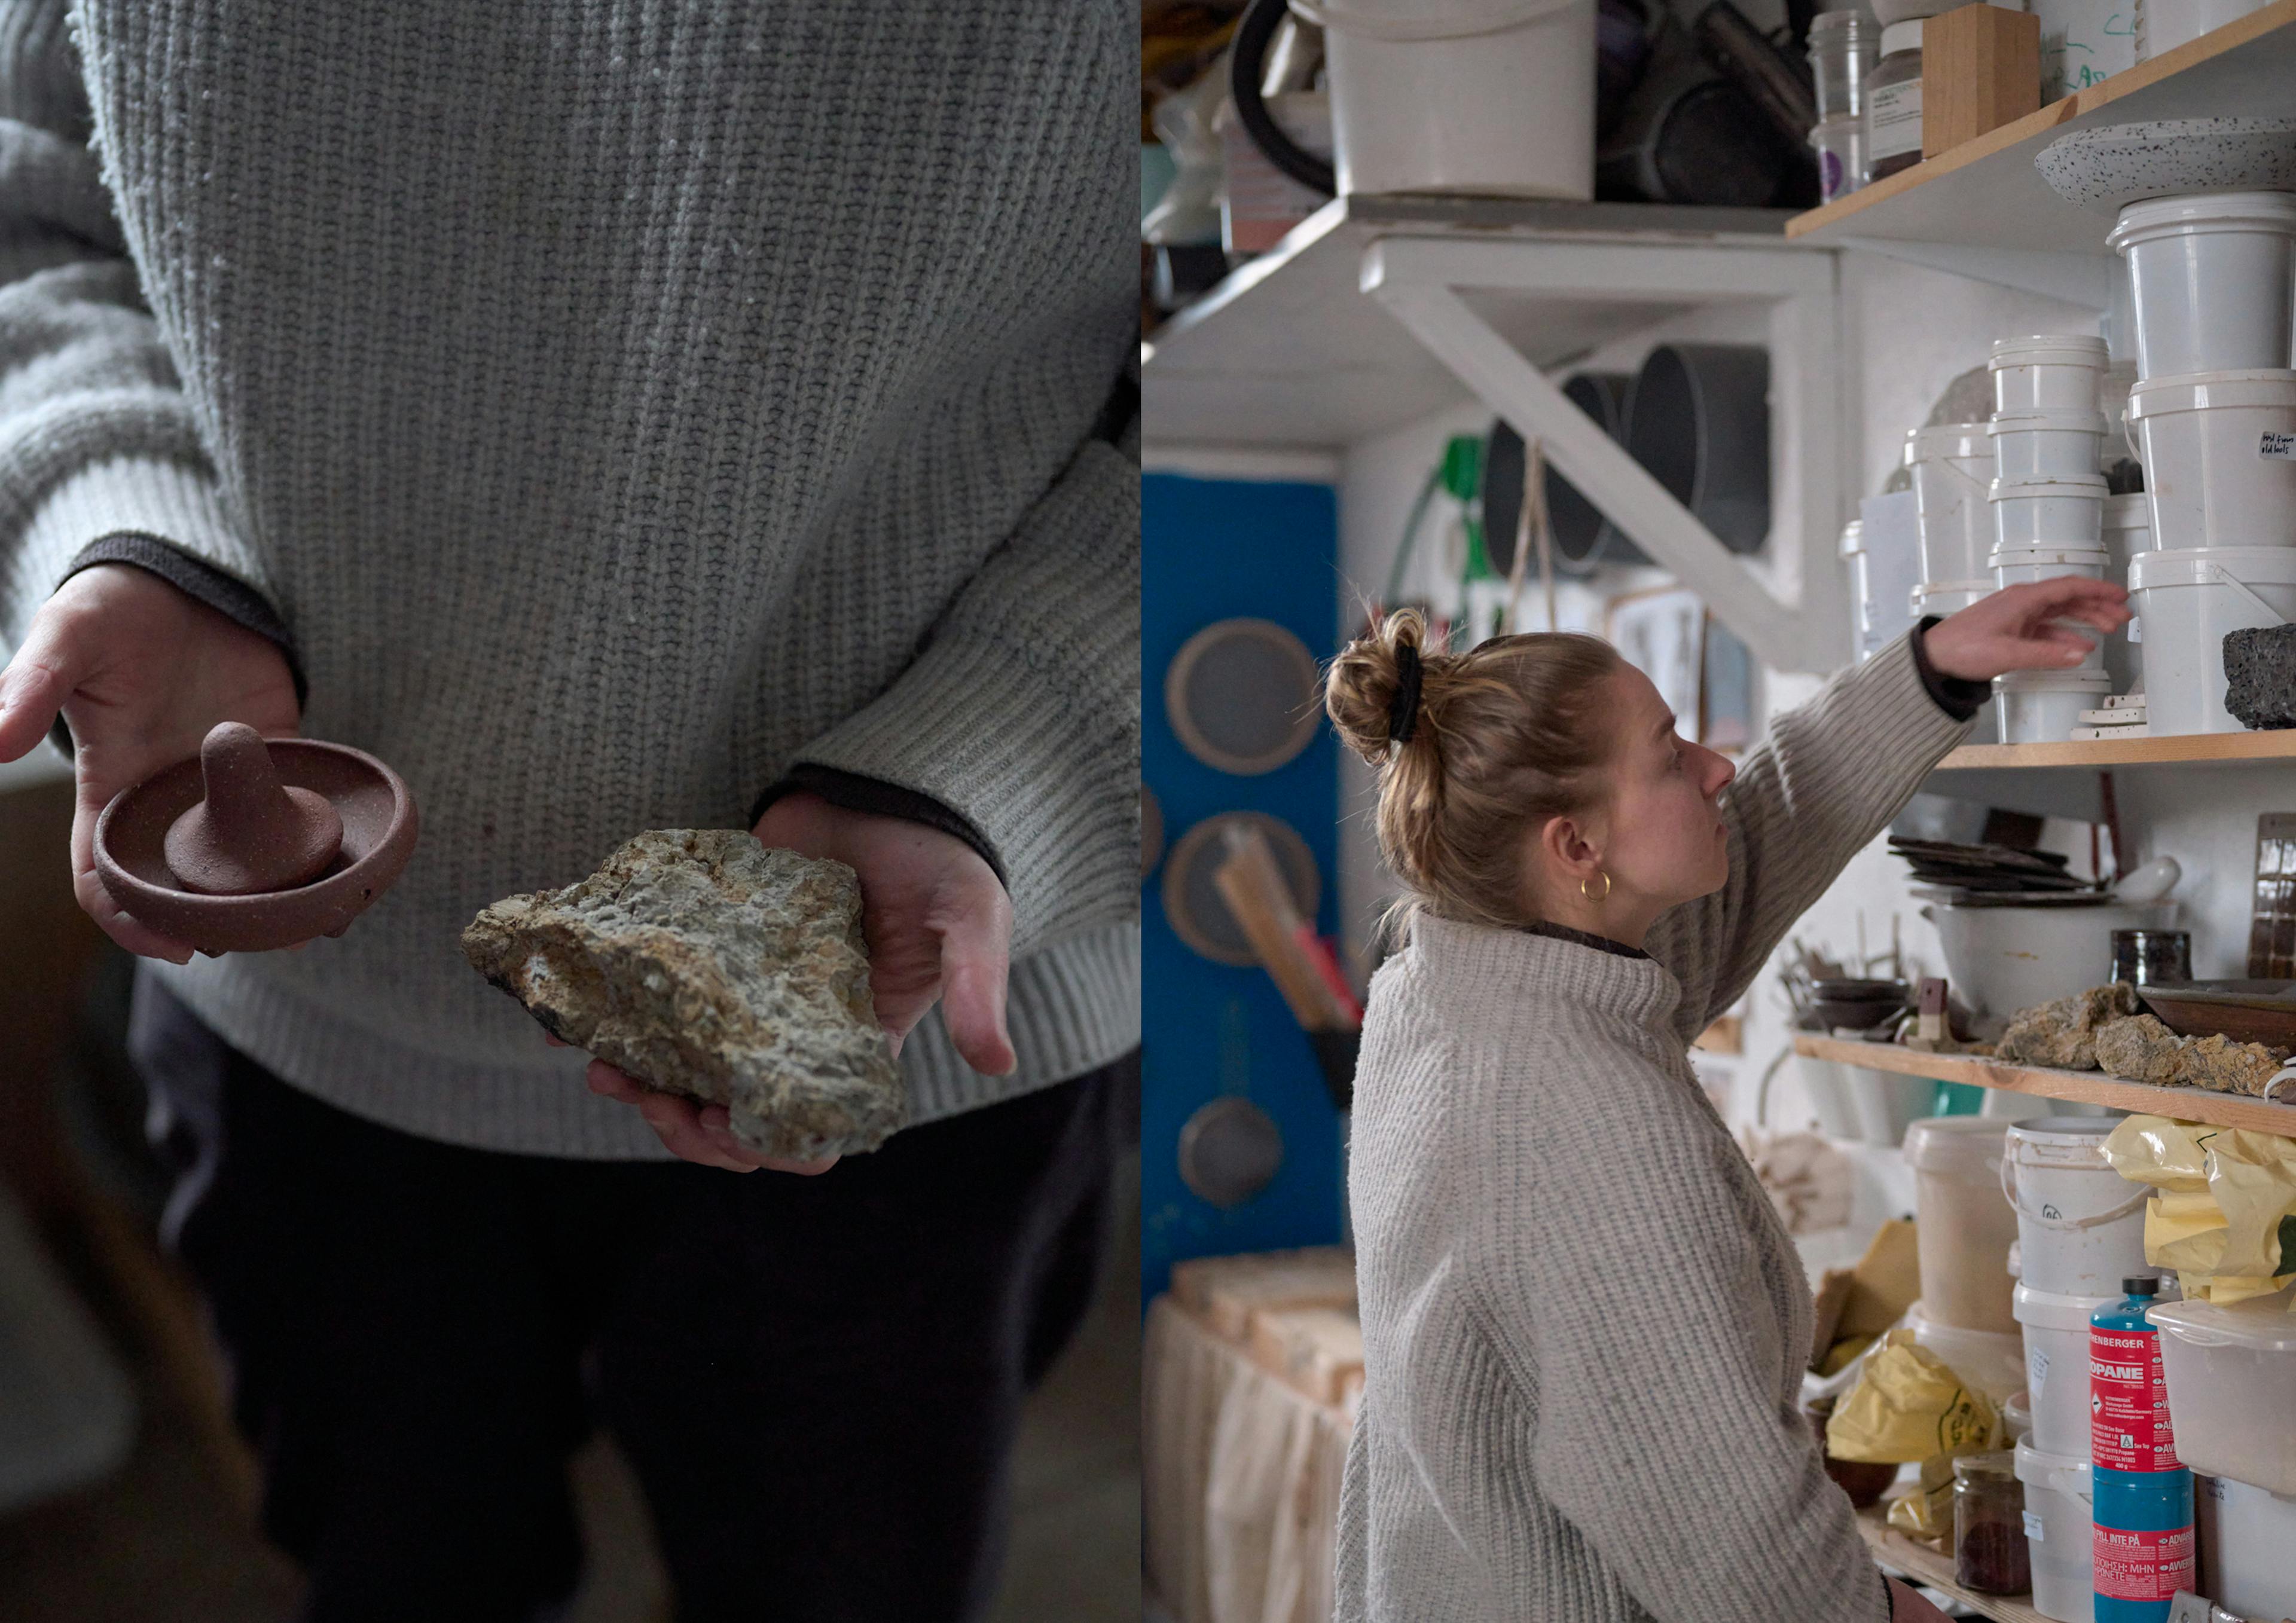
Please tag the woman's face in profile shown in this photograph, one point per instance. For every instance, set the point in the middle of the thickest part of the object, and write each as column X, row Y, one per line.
column 1664, row 835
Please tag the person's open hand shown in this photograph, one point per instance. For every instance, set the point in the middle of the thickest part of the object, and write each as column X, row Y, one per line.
column 2023, row 627
column 939, row 928
column 140, row 672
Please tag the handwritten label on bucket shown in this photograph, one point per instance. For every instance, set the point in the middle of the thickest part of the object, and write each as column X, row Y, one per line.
column 2277, row 447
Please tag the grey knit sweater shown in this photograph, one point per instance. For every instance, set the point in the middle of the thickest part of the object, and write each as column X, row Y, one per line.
column 620, row 411
column 1584, row 1324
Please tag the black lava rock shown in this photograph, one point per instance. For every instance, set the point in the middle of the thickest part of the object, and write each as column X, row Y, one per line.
column 2261, row 670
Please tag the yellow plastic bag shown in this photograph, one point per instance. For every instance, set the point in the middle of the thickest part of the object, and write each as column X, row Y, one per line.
column 2224, row 1218
column 1909, row 1406
column 1925, row 1513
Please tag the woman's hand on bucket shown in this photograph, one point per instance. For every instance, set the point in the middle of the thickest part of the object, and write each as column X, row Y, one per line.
column 2034, row 626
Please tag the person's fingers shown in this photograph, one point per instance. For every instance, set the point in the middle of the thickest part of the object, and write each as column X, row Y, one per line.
column 36, row 682
column 975, row 964
column 555, row 1040
column 677, row 1123
column 131, row 933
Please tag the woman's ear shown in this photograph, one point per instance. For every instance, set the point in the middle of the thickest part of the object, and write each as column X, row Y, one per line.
column 1568, row 851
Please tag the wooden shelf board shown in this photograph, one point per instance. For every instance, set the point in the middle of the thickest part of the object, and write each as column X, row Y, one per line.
column 1896, row 1552
column 1986, row 192
column 2229, row 748
column 2088, row 1086
column 1288, row 353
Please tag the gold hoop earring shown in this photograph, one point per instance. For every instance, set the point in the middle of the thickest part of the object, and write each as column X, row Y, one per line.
column 1589, row 894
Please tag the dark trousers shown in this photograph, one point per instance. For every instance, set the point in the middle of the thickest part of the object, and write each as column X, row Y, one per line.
column 816, row 1380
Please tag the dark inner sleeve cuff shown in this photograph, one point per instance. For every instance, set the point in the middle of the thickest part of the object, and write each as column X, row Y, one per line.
column 1957, row 698
column 855, row 793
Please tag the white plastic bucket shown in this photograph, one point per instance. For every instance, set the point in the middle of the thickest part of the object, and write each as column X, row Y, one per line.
column 1952, row 467
column 1484, row 97
column 2043, row 706
column 2219, row 456
column 2127, row 531
column 2046, row 371
column 2080, row 1224
column 2212, row 277
column 2060, row 1529
column 2056, row 1364
column 1963, row 1227
column 2163, row 25
column 2248, row 1546
column 1991, row 1361
column 2186, row 600
column 2231, row 1373
column 2063, row 511
column 2041, row 443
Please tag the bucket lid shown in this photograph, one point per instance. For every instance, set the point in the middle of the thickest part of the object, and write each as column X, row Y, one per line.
column 2198, row 566
column 2038, row 1469
column 2197, row 391
column 2054, row 682
column 2064, row 1132
column 1955, row 1144
column 1946, row 440
column 2054, row 1309
column 2048, row 349
column 1853, row 537
column 2206, row 212
column 2044, row 420
column 2074, row 553
column 2079, row 487
column 1902, row 36
column 2127, row 513
column 2262, row 1323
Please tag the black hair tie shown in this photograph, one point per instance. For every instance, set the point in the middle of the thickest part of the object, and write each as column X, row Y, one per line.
column 1403, row 714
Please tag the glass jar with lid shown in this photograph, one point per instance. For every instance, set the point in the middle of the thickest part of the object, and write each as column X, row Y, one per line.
column 1990, row 1552
column 1893, row 103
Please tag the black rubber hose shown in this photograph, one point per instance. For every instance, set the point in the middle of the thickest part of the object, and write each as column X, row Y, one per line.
column 1247, row 59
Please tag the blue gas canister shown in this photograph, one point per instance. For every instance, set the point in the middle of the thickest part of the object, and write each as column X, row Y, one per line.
column 2142, row 1541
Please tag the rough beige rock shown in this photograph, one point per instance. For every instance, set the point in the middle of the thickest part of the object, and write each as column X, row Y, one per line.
column 2138, row 1049
column 2063, row 1033
column 2223, row 1066
column 703, row 963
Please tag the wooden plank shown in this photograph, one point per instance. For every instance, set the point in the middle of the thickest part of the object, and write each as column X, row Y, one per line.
column 1980, row 70
column 1893, row 1552
column 2231, row 748
column 2088, row 1086
column 1997, row 167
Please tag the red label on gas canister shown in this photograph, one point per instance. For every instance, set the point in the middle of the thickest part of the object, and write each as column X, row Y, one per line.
column 2137, row 1566
column 2129, row 1403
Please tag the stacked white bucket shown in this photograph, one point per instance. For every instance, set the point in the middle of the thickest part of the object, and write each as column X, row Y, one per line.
column 2047, row 501
column 2213, row 418
column 1952, row 469
column 2080, row 1232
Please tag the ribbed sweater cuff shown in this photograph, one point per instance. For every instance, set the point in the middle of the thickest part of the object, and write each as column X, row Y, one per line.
column 1013, row 718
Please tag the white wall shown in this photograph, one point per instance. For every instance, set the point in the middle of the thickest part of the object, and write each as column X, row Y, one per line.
column 1908, row 332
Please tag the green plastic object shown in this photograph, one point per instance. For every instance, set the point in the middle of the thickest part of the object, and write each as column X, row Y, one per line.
column 1959, row 1099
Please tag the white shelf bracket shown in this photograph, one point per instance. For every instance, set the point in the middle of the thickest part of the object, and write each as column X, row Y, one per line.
column 2085, row 279
column 1803, row 628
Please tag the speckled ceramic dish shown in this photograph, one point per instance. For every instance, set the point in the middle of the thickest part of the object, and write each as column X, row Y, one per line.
column 2109, row 168
column 379, row 825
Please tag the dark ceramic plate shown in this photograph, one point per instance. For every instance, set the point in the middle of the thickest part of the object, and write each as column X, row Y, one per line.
column 379, row 825
column 2246, row 1010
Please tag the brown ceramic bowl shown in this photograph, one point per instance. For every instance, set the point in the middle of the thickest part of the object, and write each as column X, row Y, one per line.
column 2246, row 1010
column 379, row 825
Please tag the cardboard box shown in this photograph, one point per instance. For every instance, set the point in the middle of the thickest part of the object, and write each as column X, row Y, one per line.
column 1226, row 1291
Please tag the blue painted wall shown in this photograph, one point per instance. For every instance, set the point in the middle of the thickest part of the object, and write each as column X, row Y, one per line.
column 1215, row 549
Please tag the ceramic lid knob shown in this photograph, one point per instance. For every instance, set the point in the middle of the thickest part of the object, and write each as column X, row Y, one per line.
column 251, row 833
